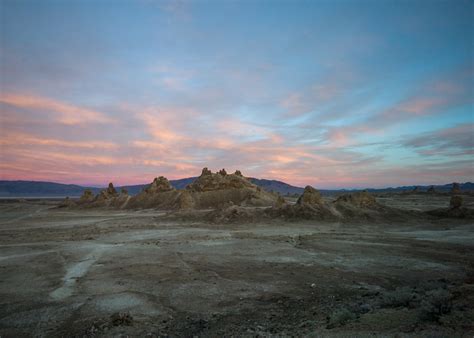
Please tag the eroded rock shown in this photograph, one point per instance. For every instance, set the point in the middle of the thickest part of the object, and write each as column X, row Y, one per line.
column 362, row 199
column 456, row 188
column 456, row 202
column 159, row 184
column 310, row 196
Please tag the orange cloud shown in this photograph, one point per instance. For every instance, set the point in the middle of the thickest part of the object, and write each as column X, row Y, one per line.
column 161, row 122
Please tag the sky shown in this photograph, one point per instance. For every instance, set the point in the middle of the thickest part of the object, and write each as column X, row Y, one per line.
column 334, row 94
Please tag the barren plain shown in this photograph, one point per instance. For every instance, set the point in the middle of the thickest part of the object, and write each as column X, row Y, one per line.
column 98, row 272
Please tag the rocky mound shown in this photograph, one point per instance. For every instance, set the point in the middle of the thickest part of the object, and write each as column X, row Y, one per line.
column 214, row 190
column 456, row 188
column 236, row 214
column 219, row 181
column 455, row 210
column 363, row 205
column 107, row 194
column 456, row 202
column 158, row 195
column 431, row 190
column 67, row 203
column 310, row 205
column 185, row 201
column 159, row 184
column 310, row 196
column 87, row 197
column 121, row 200
column 108, row 197
column 360, row 199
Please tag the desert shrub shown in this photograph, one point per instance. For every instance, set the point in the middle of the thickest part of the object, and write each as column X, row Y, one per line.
column 399, row 297
column 121, row 318
column 340, row 317
column 436, row 304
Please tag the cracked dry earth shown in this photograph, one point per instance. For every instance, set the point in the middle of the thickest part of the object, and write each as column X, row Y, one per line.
column 138, row 273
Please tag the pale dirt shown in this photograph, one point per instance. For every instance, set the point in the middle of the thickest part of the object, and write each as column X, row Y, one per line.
column 66, row 272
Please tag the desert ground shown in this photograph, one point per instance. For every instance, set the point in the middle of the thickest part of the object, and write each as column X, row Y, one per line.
column 94, row 272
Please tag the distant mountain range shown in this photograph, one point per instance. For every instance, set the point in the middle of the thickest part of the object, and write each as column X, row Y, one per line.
column 51, row 189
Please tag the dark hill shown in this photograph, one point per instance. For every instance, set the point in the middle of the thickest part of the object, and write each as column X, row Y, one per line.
column 51, row 189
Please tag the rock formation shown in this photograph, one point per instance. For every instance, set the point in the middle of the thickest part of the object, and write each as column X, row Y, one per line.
column 159, row 184
column 67, row 203
column 87, row 197
column 310, row 196
column 185, row 200
column 456, row 202
column 280, row 202
column 456, row 188
column 431, row 190
column 108, row 193
column 111, row 190
column 310, row 205
column 455, row 210
column 219, row 181
column 104, row 198
column 215, row 190
column 160, row 194
column 362, row 199
column 206, row 172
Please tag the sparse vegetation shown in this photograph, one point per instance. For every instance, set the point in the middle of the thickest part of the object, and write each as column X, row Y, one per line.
column 402, row 296
column 340, row 317
column 436, row 304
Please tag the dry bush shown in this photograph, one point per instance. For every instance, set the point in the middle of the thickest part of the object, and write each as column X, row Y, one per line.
column 399, row 297
column 340, row 317
column 121, row 318
column 436, row 304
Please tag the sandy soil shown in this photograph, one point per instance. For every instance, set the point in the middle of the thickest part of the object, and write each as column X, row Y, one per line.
column 138, row 273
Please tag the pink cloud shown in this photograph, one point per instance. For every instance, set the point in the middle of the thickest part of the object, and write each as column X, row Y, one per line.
column 422, row 106
column 64, row 113
column 21, row 139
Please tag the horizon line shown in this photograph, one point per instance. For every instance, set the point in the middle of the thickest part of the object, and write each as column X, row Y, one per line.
column 178, row 179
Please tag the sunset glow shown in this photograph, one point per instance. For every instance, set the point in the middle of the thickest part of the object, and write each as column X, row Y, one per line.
column 333, row 94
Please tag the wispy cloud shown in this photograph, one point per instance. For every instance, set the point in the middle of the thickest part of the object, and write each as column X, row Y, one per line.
column 453, row 141
column 64, row 113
